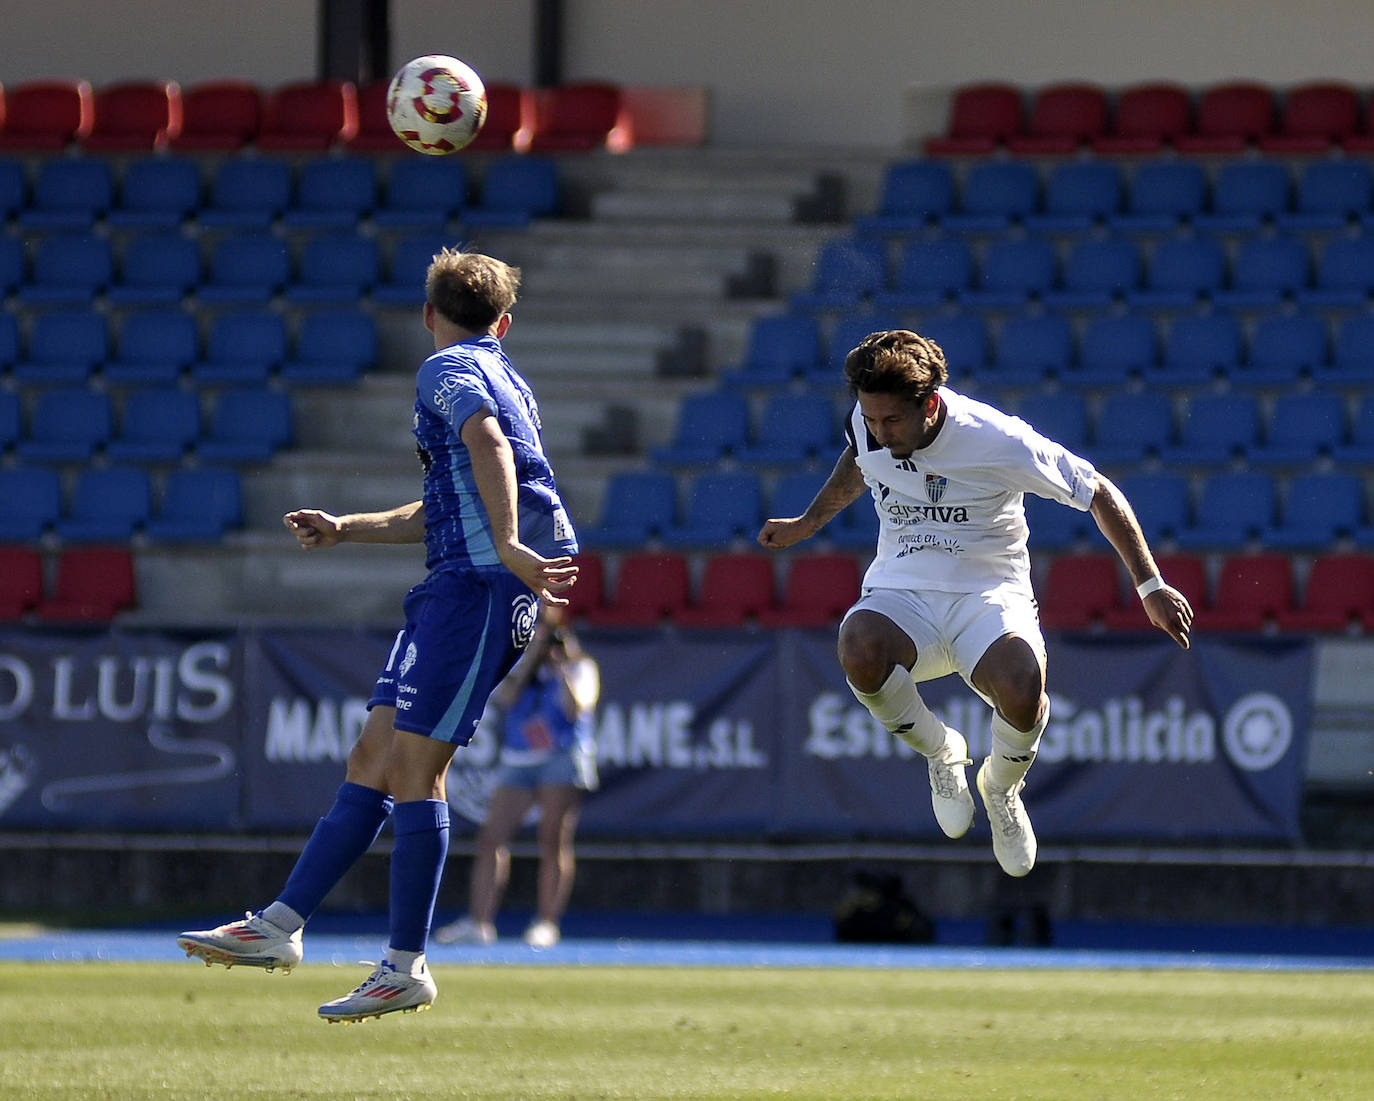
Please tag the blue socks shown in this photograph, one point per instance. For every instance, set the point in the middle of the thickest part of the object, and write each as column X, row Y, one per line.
column 340, row 838
column 417, row 863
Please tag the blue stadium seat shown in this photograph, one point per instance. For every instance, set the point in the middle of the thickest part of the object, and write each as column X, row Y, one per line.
column 1247, row 195
column 844, row 338
column 1062, row 417
column 1318, row 510
column 198, row 505
column 1033, row 348
column 639, row 505
column 30, row 503
column 794, row 492
column 247, row 193
column 1053, row 526
column 107, row 505
column 335, row 268
column 995, row 195
column 856, row 527
column 1345, row 274
column 247, row 426
column 719, row 507
column 12, row 264
column 1266, row 271
column 9, row 341
column 915, row 194
column 155, row 347
column 1113, row 350
column 1199, row 349
column 1162, row 195
column 1131, row 426
column 410, row 260
column 848, row 270
column 67, row 425
column 928, row 272
column 1098, row 272
column 69, row 194
column 792, row 428
column 1215, row 429
column 68, row 269
column 1331, row 194
column 964, row 340
column 516, row 190
column 1078, row 195
column 1012, row 272
column 332, row 193
column 1284, row 348
column 423, row 193
column 65, row 347
column 157, row 269
column 1234, row 508
column 1352, row 358
column 1359, row 449
column 709, row 426
column 1303, row 428
column 14, row 188
column 333, row 347
column 247, row 269
column 243, row 349
column 157, row 193
column 780, row 347
column 1181, row 271
column 1162, row 502
column 11, row 419
column 156, row 425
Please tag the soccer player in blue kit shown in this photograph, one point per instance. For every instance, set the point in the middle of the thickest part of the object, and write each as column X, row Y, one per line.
column 498, row 542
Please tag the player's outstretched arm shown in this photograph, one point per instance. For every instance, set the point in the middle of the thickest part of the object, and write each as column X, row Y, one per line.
column 1167, row 608
column 314, row 528
column 842, row 488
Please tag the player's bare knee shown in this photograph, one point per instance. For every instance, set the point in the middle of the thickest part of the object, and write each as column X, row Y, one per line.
column 868, row 650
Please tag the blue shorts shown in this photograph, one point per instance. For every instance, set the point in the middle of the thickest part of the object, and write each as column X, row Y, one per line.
column 464, row 631
column 575, row 767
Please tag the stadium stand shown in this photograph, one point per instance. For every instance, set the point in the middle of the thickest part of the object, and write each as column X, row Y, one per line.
column 576, row 117
column 64, row 348
column 93, row 585
column 30, row 503
column 21, row 582
column 46, row 115
column 1080, row 591
column 198, row 505
column 156, row 425
column 1063, row 119
column 1338, row 596
column 69, row 194
column 134, row 116
column 309, row 116
column 735, row 590
column 218, row 116
column 1252, row 591
column 650, row 587
column 1147, row 118
column 818, row 590
column 981, row 117
column 107, row 505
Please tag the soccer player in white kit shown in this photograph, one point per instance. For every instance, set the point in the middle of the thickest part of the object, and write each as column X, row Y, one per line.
column 950, row 588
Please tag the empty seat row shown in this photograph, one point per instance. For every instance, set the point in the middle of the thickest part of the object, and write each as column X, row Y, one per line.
column 302, row 116
column 239, row 348
column 89, row 585
column 76, row 193
column 1252, row 592
column 112, row 504
column 1155, row 196
column 1223, row 118
column 160, row 424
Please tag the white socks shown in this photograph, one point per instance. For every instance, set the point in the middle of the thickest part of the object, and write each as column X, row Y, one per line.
column 408, row 963
column 283, row 917
column 1013, row 751
column 898, row 706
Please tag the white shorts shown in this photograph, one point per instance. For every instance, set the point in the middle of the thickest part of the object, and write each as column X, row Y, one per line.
column 952, row 631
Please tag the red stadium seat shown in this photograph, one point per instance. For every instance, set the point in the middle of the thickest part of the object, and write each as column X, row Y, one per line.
column 735, row 588
column 649, row 588
column 1063, row 118
column 818, row 591
column 93, row 584
column 510, row 113
column 1147, row 117
column 1230, row 117
column 1185, row 572
column 589, row 593
column 1080, row 590
column 374, row 130
column 1339, row 596
column 1363, row 141
column 1252, row 591
column 139, row 115
column 219, row 115
column 309, row 116
column 575, row 117
column 21, row 581
column 981, row 117
column 1315, row 117
column 45, row 115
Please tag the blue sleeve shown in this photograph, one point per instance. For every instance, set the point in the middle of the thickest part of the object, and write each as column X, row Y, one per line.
column 454, row 393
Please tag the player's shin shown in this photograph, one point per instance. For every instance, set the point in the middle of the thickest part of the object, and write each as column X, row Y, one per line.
column 1013, row 751
column 899, row 707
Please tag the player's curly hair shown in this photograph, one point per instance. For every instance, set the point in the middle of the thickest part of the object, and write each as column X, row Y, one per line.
column 471, row 290
column 896, row 361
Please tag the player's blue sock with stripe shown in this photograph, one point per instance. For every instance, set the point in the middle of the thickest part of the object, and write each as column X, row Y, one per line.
column 340, row 838
column 417, row 863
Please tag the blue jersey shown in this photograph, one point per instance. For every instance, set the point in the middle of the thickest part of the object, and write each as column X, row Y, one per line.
column 451, row 386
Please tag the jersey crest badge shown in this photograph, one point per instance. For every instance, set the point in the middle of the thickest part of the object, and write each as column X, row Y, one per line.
column 935, row 487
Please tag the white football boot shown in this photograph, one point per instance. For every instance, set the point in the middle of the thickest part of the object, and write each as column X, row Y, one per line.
column 1013, row 839
column 386, row 990
column 465, row 931
column 949, row 794
column 542, row 934
column 252, row 942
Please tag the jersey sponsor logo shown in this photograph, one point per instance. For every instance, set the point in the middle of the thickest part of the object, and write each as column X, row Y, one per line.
column 562, row 529
column 905, row 514
column 448, row 384
column 524, row 615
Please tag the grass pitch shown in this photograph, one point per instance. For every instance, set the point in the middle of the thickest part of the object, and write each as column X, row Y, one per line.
column 96, row 1030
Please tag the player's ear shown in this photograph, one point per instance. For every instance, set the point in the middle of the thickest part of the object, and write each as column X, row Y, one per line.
column 502, row 326
column 429, row 316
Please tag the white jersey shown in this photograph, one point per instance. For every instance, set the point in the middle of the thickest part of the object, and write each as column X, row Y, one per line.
column 951, row 516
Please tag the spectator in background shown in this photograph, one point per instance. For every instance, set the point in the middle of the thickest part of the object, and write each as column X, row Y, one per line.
column 547, row 757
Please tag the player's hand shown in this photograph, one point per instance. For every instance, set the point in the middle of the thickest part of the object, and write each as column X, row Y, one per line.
column 1170, row 611
column 313, row 529
column 777, row 534
column 548, row 577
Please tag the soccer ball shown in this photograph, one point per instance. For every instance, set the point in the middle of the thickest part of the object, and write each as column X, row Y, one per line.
column 436, row 104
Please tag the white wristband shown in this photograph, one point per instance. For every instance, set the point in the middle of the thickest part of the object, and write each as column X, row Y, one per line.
column 1149, row 585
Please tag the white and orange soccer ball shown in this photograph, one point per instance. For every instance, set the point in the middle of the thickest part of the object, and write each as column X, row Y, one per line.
column 436, row 104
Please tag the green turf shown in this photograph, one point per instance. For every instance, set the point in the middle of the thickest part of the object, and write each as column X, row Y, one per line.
column 183, row 1031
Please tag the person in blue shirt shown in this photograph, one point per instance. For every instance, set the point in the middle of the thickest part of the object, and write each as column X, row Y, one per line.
column 498, row 542
column 548, row 758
